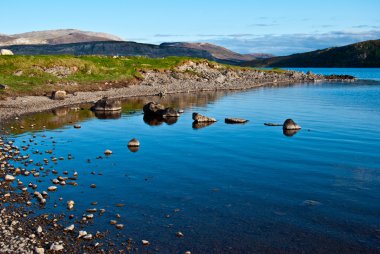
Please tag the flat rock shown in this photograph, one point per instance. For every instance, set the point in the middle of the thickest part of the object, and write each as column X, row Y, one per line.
column 235, row 120
column 106, row 104
column 201, row 118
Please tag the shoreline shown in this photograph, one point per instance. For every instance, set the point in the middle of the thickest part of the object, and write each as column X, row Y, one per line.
column 190, row 77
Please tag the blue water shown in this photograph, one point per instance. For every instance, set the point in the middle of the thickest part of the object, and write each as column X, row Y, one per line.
column 231, row 188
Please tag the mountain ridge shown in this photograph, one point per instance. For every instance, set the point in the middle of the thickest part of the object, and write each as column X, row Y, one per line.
column 361, row 54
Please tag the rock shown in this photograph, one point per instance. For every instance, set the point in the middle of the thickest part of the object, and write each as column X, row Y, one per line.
column 113, row 222
column 3, row 86
column 273, row 124
column 93, row 185
column 201, row 125
column 145, row 242
column 134, row 143
column 56, row 247
column 77, row 126
column 70, row 204
column 157, row 110
column 58, row 95
column 119, row 226
column 235, row 120
column 107, row 152
column 52, row 188
column 81, row 234
column 201, row 118
column 39, row 230
column 39, row 250
column 6, row 52
column 69, row 228
column 9, row 178
column 179, row 234
column 87, row 237
column 289, row 124
column 106, row 104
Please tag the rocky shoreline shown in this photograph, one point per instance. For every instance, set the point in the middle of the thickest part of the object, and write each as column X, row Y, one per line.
column 187, row 78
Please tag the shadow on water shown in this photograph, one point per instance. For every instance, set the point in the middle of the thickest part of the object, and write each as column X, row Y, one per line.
column 108, row 114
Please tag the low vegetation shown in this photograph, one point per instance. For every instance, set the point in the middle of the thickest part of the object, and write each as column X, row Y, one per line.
column 41, row 74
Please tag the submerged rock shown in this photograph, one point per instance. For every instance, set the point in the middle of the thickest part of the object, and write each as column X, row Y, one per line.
column 106, row 104
column 289, row 124
column 201, row 118
column 235, row 120
column 273, row 124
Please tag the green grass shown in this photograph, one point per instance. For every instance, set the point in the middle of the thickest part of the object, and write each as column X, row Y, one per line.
column 91, row 72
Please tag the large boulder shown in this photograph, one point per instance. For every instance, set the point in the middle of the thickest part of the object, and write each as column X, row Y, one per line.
column 58, row 95
column 106, row 104
column 154, row 109
column 289, row 124
column 201, row 118
column 6, row 52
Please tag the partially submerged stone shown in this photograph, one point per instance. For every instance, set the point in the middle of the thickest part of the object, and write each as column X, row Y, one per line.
column 106, row 104
column 134, row 143
column 201, row 118
column 235, row 120
column 157, row 110
column 289, row 124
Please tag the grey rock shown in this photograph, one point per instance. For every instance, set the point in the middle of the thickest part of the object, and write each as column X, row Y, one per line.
column 235, row 120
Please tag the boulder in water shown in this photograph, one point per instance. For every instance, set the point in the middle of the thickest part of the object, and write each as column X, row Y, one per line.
column 157, row 110
column 289, row 124
column 235, row 120
column 106, row 104
column 201, row 118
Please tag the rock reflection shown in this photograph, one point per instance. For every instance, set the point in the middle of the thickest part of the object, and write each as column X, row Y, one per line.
column 156, row 121
column 200, row 125
column 133, row 149
column 108, row 114
column 289, row 133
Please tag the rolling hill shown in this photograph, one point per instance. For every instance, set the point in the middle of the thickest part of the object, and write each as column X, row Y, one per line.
column 362, row 54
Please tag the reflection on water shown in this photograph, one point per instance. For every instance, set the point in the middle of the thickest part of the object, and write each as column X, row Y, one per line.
column 60, row 117
column 289, row 133
column 200, row 125
column 107, row 114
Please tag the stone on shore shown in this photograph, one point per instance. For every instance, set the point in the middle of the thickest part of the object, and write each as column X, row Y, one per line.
column 6, row 52
column 56, row 247
column 3, row 86
column 9, row 178
column 235, row 120
column 106, row 104
column 58, row 95
column 39, row 250
column 201, row 118
column 289, row 124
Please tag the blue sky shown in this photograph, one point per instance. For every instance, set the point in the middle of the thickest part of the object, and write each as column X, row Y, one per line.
column 278, row 27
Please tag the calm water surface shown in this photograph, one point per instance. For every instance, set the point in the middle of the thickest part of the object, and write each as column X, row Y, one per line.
column 229, row 188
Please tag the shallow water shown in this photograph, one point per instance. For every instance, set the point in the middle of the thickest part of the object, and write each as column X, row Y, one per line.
column 227, row 188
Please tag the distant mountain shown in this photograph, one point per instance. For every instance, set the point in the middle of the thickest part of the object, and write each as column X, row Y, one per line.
column 77, row 42
column 218, row 52
column 60, row 36
column 110, row 48
column 362, row 54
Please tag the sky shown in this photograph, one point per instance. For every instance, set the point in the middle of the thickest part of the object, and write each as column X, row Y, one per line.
column 246, row 26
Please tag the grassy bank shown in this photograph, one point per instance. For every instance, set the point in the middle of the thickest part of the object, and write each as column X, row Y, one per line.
column 40, row 74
